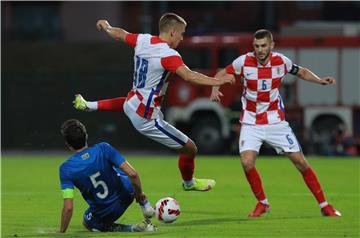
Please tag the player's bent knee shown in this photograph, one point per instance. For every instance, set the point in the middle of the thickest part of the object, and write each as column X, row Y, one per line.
column 189, row 149
column 195, row 149
column 298, row 160
column 247, row 163
column 191, row 145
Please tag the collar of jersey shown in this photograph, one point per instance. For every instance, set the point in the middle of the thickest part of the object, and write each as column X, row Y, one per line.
column 156, row 40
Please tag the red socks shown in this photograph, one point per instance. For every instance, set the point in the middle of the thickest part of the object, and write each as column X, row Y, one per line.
column 114, row 104
column 309, row 178
column 186, row 166
column 313, row 184
column 254, row 180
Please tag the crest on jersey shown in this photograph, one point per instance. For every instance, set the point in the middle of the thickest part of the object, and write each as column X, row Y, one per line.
column 242, row 143
column 85, row 156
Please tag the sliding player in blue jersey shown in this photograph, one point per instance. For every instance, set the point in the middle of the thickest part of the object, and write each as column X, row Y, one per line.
column 107, row 182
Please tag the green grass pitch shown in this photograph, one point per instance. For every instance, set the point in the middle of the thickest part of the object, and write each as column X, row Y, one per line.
column 31, row 199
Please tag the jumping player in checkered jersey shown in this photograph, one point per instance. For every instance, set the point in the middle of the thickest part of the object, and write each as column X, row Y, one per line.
column 263, row 116
column 154, row 60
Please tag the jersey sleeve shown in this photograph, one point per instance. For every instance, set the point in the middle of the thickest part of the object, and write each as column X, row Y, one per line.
column 112, row 154
column 172, row 63
column 290, row 66
column 131, row 39
column 230, row 69
column 65, row 181
column 236, row 67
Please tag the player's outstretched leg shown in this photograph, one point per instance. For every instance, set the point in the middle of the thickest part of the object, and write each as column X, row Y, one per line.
column 312, row 183
column 187, row 165
column 254, row 179
column 112, row 105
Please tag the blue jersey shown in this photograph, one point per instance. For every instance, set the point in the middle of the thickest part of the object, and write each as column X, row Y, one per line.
column 95, row 172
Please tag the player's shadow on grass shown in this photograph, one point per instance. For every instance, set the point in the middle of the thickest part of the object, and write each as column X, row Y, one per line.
column 84, row 233
column 237, row 220
column 243, row 214
column 207, row 213
column 210, row 221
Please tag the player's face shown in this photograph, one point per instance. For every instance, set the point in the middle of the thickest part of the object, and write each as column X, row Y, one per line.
column 177, row 35
column 263, row 47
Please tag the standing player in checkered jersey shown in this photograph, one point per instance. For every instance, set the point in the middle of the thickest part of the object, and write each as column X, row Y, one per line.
column 155, row 58
column 263, row 116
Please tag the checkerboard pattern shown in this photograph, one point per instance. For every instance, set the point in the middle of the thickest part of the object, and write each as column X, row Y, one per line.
column 261, row 100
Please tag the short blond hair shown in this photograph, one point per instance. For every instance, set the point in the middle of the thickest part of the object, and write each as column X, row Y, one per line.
column 169, row 20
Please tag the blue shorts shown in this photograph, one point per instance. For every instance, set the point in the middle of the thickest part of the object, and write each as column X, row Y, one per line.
column 95, row 222
column 103, row 219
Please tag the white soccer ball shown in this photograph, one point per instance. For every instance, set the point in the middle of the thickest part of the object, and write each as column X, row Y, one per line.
column 167, row 210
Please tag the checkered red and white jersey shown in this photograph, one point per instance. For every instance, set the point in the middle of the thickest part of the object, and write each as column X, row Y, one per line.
column 154, row 60
column 261, row 100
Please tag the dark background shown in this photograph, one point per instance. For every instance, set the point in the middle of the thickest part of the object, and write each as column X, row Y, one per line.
column 52, row 51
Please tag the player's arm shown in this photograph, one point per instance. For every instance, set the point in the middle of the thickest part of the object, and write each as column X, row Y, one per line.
column 120, row 162
column 309, row 76
column 215, row 93
column 115, row 32
column 135, row 181
column 140, row 197
column 201, row 79
column 67, row 209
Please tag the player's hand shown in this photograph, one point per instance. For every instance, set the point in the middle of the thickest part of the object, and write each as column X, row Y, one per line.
column 148, row 211
column 328, row 80
column 215, row 95
column 146, row 208
column 228, row 78
column 102, row 25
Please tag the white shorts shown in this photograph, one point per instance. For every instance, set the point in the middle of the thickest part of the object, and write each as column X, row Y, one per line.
column 280, row 136
column 157, row 129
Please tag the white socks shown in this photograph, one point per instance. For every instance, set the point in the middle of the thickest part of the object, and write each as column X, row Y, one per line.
column 265, row 201
column 92, row 105
column 323, row 204
column 189, row 183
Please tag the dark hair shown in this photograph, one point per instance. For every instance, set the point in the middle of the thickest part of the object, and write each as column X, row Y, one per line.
column 170, row 20
column 263, row 33
column 74, row 133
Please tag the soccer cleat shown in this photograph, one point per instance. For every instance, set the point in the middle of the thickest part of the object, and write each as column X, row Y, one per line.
column 200, row 185
column 144, row 226
column 259, row 210
column 80, row 103
column 330, row 211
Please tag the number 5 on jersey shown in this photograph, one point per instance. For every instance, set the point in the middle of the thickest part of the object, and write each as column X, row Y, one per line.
column 100, row 183
column 141, row 69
